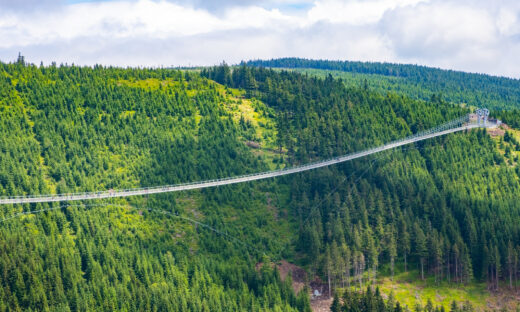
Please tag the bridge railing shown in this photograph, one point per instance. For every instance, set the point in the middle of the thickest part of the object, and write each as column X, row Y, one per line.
column 446, row 126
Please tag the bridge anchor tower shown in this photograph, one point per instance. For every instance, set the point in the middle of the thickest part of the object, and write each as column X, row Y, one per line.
column 482, row 116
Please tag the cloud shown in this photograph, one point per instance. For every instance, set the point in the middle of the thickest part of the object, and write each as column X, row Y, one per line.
column 356, row 12
column 455, row 35
column 232, row 46
column 471, row 35
column 508, row 22
column 432, row 30
column 113, row 20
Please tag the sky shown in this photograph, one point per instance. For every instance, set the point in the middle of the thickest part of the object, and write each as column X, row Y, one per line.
column 471, row 35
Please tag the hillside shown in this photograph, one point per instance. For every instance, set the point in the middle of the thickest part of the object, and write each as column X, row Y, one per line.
column 443, row 212
column 415, row 81
column 74, row 129
column 448, row 206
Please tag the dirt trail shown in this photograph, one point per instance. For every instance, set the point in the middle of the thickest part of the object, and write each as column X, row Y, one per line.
column 321, row 305
column 299, row 280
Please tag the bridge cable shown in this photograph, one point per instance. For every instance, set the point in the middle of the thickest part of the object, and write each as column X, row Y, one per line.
column 228, row 237
column 313, row 209
column 437, row 131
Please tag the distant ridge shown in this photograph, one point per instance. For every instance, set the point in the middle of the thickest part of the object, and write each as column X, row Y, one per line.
column 380, row 68
column 456, row 86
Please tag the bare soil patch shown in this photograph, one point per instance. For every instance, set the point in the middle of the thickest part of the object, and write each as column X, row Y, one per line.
column 494, row 132
column 300, row 279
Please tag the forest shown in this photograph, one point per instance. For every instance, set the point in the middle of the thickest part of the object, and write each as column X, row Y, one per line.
column 458, row 224
column 416, row 81
column 447, row 208
column 75, row 128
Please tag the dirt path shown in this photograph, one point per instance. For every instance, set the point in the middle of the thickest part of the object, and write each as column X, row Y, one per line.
column 321, row 305
column 299, row 276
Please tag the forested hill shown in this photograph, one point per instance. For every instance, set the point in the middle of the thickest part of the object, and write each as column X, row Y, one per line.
column 444, row 211
column 67, row 129
column 449, row 207
column 416, row 81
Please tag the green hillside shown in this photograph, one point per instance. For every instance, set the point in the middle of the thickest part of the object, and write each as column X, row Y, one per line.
column 419, row 82
column 446, row 211
column 449, row 207
column 68, row 129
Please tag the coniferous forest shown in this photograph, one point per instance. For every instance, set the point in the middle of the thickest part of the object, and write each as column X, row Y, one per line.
column 446, row 208
column 416, row 81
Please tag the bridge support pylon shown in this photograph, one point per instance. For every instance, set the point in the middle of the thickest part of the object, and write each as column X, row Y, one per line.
column 482, row 116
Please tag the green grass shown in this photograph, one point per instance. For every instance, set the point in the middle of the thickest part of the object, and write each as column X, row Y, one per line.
column 410, row 290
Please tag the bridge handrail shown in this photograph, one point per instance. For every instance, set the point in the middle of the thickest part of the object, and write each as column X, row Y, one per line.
column 112, row 193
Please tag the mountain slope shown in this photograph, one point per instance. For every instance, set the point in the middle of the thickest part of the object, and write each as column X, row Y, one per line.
column 74, row 129
column 415, row 81
column 71, row 129
column 448, row 207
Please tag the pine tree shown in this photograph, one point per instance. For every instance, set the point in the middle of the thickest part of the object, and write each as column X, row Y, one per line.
column 347, row 262
column 429, row 306
column 404, row 241
column 510, row 262
column 454, row 307
column 337, row 263
column 421, row 249
column 467, row 268
column 392, row 250
column 372, row 251
column 496, row 255
column 336, row 305
column 328, row 266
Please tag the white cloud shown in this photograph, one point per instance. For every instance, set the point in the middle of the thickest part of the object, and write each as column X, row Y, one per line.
column 455, row 35
column 357, row 12
column 508, row 22
column 122, row 19
column 471, row 35
column 107, row 20
column 438, row 29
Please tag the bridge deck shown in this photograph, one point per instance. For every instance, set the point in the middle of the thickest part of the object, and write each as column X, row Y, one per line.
column 231, row 180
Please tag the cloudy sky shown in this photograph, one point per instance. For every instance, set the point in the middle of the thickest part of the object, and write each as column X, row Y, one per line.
column 470, row 35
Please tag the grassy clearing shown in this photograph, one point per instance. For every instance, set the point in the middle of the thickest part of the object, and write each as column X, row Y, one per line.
column 410, row 290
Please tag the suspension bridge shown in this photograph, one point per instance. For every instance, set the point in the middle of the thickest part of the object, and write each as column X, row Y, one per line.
column 470, row 121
